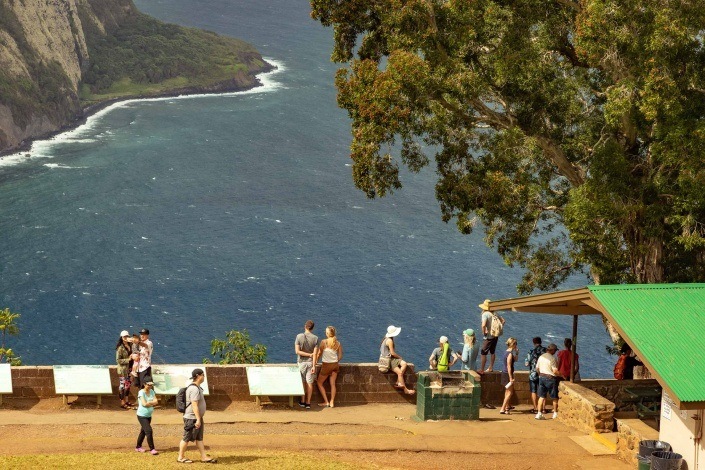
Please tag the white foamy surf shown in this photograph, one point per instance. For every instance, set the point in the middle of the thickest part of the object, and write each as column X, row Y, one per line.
column 81, row 134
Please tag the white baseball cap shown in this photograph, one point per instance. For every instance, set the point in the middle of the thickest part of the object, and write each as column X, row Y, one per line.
column 124, row 333
column 444, row 339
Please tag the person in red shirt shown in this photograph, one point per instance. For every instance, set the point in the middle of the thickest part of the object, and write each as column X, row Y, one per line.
column 564, row 360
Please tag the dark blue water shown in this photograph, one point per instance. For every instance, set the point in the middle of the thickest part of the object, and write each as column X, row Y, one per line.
column 196, row 216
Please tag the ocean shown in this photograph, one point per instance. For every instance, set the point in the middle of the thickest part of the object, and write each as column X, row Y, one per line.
column 197, row 215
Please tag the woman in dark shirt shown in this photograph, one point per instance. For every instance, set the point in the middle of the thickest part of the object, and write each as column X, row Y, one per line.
column 510, row 357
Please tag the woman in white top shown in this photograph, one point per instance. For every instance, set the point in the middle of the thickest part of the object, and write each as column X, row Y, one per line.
column 331, row 353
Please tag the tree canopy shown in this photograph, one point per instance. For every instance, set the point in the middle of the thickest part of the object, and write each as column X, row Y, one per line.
column 571, row 129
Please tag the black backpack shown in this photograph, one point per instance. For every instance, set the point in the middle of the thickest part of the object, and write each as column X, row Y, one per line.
column 181, row 404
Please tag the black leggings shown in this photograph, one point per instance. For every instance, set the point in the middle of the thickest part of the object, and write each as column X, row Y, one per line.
column 146, row 430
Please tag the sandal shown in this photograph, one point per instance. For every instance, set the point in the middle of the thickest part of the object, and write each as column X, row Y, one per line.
column 184, row 460
column 398, row 385
column 125, row 406
column 409, row 392
column 210, row 461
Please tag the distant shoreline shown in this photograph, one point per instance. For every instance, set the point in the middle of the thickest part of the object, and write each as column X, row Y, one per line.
column 228, row 86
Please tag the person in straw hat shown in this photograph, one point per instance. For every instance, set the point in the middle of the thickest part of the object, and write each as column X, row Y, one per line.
column 398, row 365
column 489, row 345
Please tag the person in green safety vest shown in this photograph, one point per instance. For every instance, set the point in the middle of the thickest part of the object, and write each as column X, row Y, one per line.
column 442, row 358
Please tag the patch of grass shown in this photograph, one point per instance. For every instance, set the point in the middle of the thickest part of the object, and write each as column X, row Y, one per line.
column 231, row 459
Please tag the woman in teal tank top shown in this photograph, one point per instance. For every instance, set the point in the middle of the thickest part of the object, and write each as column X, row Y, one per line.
column 146, row 400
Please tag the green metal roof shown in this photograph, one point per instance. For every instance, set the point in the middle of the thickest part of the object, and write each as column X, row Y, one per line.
column 665, row 324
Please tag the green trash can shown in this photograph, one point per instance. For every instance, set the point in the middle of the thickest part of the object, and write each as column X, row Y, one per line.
column 661, row 460
column 644, row 463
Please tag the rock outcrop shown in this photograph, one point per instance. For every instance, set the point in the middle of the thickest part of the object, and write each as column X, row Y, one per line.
column 45, row 53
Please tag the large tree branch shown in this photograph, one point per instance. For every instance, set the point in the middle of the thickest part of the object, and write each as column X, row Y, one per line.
column 555, row 153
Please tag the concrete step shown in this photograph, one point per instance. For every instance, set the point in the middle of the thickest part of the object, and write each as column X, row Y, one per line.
column 598, row 443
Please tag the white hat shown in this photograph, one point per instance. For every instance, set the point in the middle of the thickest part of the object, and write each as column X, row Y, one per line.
column 393, row 331
column 444, row 339
column 124, row 333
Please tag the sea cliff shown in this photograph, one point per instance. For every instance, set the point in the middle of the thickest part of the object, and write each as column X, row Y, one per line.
column 61, row 59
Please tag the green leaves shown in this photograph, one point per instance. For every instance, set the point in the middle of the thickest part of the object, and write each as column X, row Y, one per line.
column 237, row 349
column 8, row 327
column 573, row 131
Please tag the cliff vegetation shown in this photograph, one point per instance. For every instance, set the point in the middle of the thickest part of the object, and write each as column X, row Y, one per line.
column 57, row 58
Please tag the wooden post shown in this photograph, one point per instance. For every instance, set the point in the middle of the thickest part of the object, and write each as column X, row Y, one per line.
column 100, row 400
column 291, row 401
column 573, row 348
column 0, row 399
column 257, row 400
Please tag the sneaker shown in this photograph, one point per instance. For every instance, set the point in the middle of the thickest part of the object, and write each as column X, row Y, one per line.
column 154, row 452
column 308, row 406
column 140, row 449
column 302, row 404
column 555, row 415
column 539, row 416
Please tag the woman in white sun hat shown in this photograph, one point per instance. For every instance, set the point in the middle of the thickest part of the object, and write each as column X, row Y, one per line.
column 122, row 357
column 398, row 365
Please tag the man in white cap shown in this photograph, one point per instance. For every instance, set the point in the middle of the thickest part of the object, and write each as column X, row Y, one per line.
column 442, row 358
column 398, row 365
column 489, row 345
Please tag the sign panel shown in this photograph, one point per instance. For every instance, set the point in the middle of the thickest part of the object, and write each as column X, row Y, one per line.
column 82, row 380
column 168, row 379
column 5, row 379
column 274, row 380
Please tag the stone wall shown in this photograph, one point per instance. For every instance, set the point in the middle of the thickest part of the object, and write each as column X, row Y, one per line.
column 629, row 433
column 613, row 390
column 493, row 391
column 357, row 383
column 584, row 409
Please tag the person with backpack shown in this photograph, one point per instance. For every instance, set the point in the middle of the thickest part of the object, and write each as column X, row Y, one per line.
column 442, row 358
column 624, row 369
column 492, row 328
column 195, row 409
column 530, row 362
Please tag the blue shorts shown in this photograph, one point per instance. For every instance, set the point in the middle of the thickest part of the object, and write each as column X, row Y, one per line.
column 533, row 386
column 549, row 386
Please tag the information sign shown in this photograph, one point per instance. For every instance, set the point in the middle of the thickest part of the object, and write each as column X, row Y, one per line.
column 82, row 380
column 5, row 379
column 274, row 381
column 168, row 379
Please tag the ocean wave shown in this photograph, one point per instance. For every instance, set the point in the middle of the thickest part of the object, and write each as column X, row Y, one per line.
column 42, row 148
column 58, row 165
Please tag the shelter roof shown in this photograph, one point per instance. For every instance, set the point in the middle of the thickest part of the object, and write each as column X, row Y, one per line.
column 663, row 323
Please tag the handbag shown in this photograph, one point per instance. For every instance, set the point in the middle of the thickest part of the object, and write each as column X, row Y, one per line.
column 384, row 363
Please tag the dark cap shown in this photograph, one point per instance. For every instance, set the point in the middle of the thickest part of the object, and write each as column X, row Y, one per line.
column 552, row 346
column 196, row 373
column 144, row 331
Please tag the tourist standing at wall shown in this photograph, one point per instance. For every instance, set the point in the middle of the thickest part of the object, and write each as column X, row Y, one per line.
column 398, row 365
column 193, row 418
column 470, row 350
column 492, row 326
column 564, row 360
column 123, row 349
column 530, row 362
column 508, row 360
column 146, row 400
column 145, row 366
column 624, row 369
column 547, row 366
column 331, row 353
column 306, row 347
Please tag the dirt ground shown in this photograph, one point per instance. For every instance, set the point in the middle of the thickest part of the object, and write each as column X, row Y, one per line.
column 379, row 435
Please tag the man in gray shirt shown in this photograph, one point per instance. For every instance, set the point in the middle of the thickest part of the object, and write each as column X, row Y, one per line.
column 306, row 345
column 193, row 418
